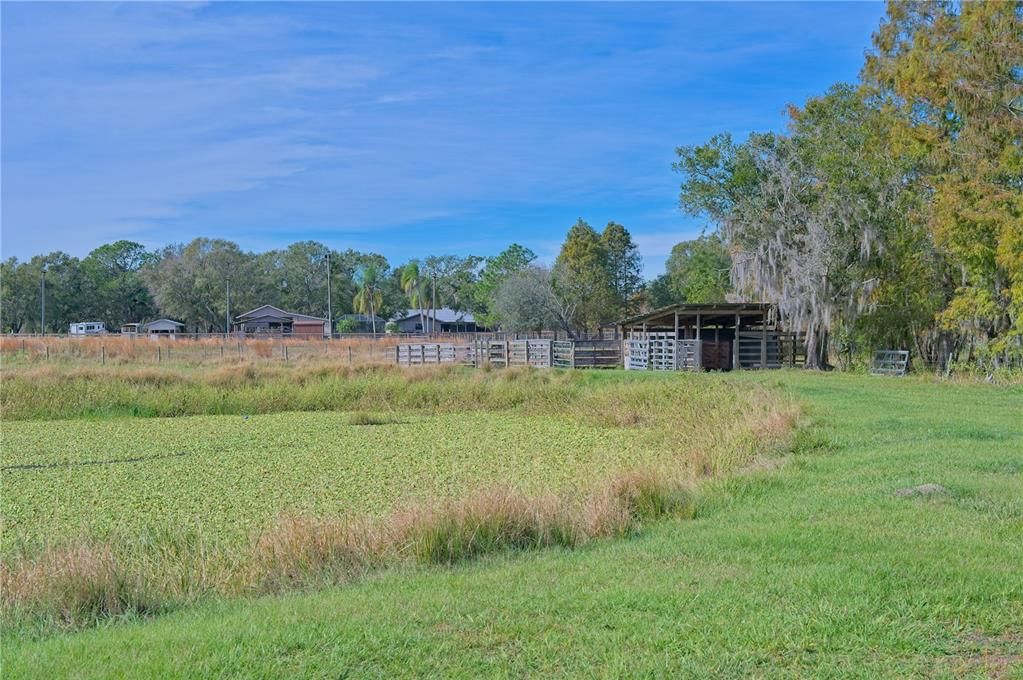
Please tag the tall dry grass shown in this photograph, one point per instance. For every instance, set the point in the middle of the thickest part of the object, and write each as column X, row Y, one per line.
column 188, row 351
column 86, row 581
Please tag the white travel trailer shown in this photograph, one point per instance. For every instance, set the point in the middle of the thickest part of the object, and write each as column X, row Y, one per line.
column 88, row 328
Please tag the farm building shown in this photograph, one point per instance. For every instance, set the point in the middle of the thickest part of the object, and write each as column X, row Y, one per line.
column 269, row 319
column 163, row 328
column 130, row 330
column 443, row 320
column 721, row 336
column 361, row 323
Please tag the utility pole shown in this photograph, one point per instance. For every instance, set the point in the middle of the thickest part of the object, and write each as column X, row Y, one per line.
column 227, row 327
column 330, row 316
column 42, row 302
column 433, row 321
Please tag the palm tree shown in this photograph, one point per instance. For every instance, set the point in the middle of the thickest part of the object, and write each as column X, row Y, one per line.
column 412, row 284
column 369, row 298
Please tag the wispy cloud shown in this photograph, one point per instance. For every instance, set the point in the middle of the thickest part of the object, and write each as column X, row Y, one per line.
column 400, row 128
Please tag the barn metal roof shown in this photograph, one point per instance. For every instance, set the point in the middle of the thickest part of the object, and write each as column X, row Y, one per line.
column 706, row 309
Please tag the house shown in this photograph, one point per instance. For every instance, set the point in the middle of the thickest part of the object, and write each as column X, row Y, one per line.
column 269, row 319
column 443, row 320
column 723, row 336
column 358, row 323
column 163, row 328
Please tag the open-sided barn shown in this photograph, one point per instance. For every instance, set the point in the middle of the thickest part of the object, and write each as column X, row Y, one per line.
column 721, row 336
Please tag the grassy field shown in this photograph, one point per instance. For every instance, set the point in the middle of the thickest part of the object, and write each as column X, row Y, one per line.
column 806, row 565
column 110, row 514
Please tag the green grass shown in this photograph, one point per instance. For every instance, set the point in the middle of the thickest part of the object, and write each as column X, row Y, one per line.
column 811, row 568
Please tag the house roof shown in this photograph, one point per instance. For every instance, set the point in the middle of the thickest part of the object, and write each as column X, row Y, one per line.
column 156, row 321
column 442, row 315
column 276, row 313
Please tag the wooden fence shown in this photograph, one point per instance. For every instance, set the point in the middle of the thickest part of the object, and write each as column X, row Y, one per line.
column 502, row 353
column 661, row 351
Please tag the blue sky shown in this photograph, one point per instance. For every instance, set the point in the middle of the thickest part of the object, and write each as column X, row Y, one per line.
column 405, row 129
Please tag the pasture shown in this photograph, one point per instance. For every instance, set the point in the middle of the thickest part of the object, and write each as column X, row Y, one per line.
column 383, row 459
column 799, row 556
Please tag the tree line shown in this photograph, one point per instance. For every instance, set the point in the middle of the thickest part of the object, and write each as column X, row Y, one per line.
column 891, row 212
column 595, row 280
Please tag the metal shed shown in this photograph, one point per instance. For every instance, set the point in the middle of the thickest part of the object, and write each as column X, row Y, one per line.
column 163, row 328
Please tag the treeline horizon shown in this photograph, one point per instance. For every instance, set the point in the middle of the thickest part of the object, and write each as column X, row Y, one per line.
column 599, row 276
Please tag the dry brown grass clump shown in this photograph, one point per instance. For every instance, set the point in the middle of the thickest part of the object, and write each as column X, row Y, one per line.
column 87, row 581
column 74, row 584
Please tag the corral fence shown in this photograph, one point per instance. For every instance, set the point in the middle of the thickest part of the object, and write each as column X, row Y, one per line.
column 664, row 351
column 539, row 353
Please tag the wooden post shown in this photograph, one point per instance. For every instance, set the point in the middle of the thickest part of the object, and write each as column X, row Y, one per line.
column 735, row 347
column 527, row 352
column 159, row 353
column 698, row 354
column 103, row 354
column 350, row 354
column 763, row 340
column 47, row 352
column 572, row 357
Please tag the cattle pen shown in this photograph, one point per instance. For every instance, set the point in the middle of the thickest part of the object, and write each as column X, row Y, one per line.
column 721, row 336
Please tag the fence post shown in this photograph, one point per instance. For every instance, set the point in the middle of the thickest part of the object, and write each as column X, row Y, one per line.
column 47, row 352
column 349, row 355
column 572, row 355
column 159, row 353
column 102, row 354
